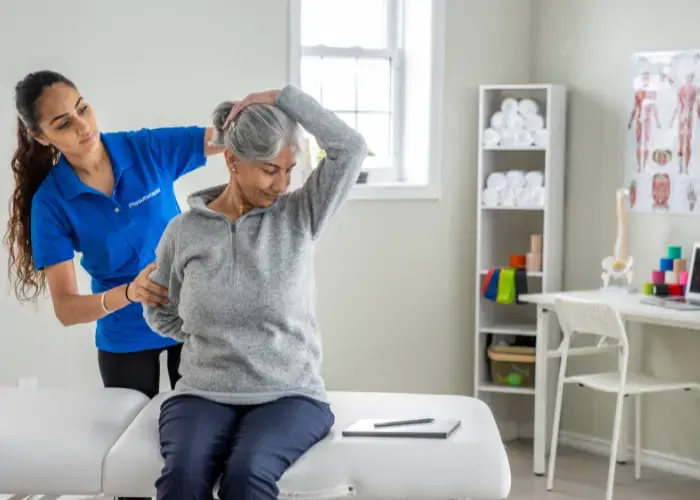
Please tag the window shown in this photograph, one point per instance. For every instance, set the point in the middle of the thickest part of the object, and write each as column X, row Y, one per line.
column 354, row 72
column 372, row 63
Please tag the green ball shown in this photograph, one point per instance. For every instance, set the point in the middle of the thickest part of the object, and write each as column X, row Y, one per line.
column 515, row 379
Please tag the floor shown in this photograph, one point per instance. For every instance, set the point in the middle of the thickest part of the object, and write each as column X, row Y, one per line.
column 583, row 476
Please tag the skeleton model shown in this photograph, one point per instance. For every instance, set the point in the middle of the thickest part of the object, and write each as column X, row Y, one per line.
column 618, row 268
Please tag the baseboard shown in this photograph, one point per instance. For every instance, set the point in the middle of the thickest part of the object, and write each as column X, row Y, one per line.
column 511, row 430
column 653, row 459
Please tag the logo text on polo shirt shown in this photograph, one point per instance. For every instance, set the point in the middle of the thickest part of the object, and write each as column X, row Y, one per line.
column 145, row 198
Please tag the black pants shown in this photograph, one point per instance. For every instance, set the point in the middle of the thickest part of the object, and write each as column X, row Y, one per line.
column 250, row 447
column 138, row 370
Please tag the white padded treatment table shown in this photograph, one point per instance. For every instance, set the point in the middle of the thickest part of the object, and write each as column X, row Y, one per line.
column 54, row 441
column 105, row 441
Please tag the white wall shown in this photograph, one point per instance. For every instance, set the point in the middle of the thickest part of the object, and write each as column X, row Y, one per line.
column 140, row 64
column 587, row 45
column 395, row 281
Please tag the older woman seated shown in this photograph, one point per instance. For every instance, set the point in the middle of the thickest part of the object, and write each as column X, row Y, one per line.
column 241, row 297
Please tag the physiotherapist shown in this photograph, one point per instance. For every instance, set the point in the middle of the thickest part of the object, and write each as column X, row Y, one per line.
column 108, row 197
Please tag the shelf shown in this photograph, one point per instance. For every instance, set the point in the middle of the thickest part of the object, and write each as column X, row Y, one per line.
column 504, row 231
column 526, row 209
column 529, row 330
column 513, row 148
column 502, row 87
column 530, row 274
column 506, row 389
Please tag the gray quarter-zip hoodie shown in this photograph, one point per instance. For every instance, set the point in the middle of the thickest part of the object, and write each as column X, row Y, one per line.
column 242, row 294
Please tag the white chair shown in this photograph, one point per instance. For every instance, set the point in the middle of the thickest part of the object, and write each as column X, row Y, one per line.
column 579, row 316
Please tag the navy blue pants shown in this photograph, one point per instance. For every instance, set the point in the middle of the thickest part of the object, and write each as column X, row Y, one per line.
column 249, row 447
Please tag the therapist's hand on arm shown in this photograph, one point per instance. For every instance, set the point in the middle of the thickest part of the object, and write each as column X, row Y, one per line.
column 145, row 291
column 72, row 308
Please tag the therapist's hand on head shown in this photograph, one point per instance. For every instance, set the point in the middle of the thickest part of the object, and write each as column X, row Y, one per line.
column 143, row 290
column 266, row 97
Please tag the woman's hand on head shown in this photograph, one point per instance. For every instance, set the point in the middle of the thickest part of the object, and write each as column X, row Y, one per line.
column 143, row 290
column 266, row 97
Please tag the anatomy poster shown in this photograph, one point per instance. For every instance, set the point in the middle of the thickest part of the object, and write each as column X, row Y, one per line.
column 662, row 161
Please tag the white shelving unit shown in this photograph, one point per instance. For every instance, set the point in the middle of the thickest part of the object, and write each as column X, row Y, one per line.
column 506, row 230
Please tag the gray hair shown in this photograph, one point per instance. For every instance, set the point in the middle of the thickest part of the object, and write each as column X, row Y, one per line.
column 258, row 133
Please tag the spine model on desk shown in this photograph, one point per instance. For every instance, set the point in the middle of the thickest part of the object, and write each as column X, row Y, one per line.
column 671, row 277
column 617, row 268
column 505, row 285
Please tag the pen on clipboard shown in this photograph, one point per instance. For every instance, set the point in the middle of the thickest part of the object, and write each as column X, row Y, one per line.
column 398, row 423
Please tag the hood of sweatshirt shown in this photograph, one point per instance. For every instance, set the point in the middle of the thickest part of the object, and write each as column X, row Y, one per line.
column 199, row 200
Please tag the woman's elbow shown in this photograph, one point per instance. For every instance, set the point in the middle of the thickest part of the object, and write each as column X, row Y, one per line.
column 65, row 321
column 150, row 315
column 63, row 316
column 358, row 145
column 161, row 321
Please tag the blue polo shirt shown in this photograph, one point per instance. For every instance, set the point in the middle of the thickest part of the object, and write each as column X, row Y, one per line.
column 118, row 235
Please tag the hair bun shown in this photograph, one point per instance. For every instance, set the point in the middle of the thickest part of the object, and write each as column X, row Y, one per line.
column 219, row 118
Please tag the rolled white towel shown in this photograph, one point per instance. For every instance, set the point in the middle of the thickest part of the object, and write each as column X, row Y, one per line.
column 538, row 195
column 524, row 139
column 542, row 138
column 523, row 197
column 507, row 197
column 496, row 180
column 491, row 137
column 498, row 120
column 515, row 179
column 533, row 123
column 534, row 179
column 515, row 121
column 527, row 107
column 491, row 197
column 508, row 137
column 509, row 105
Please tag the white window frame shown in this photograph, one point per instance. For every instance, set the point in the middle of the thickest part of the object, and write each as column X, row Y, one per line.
column 398, row 189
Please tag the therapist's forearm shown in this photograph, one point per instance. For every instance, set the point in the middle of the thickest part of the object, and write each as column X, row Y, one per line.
column 210, row 150
column 79, row 309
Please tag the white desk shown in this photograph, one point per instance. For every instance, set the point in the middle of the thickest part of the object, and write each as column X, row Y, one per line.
column 632, row 311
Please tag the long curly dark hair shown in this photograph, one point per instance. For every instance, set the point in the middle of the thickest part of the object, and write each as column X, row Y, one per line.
column 31, row 164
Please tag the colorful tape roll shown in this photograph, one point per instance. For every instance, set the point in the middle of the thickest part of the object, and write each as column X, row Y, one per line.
column 658, row 277
column 666, row 264
column 675, row 289
column 683, row 278
column 671, row 277
column 648, row 289
column 679, row 265
column 661, row 289
column 674, row 252
column 517, row 260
